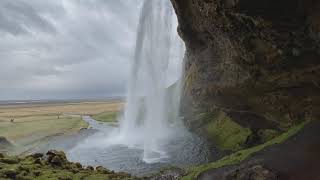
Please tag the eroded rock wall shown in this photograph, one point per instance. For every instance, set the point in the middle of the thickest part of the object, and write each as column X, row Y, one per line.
column 256, row 62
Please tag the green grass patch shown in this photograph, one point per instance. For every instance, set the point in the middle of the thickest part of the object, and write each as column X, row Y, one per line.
column 30, row 129
column 239, row 156
column 106, row 117
column 267, row 134
column 226, row 134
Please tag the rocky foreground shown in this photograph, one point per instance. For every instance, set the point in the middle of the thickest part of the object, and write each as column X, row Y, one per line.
column 293, row 155
column 53, row 165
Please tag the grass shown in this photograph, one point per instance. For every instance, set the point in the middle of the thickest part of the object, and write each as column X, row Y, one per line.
column 106, row 117
column 33, row 123
column 25, row 130
column 226, row 134
column 236, row 158
column 84, row 108
column 42, row 120
column 54, row 167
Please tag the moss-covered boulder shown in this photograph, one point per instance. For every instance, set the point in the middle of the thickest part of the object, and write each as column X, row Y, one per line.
column 5, row 144
column 54, row 166
column 226, row 134
column 239, row 160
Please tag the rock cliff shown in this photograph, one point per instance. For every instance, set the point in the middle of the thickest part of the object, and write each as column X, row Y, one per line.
column 252, row 67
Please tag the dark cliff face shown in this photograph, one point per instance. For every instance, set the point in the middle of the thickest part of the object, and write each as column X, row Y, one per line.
column 254, row 63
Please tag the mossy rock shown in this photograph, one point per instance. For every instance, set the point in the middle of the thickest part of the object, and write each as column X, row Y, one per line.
column 190, row 77
column 226, row 134
column 5, row 145
column 53, row 166
column 267, row 134
column 241, row 155
column 11, row 160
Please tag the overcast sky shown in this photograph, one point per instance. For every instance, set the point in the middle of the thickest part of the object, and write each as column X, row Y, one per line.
column 66, row 48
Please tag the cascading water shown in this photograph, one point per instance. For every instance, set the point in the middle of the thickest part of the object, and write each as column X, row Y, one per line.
column 152, row 105
column 150, row 135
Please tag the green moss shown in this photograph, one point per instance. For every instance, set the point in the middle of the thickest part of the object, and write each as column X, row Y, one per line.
column 267, row 134
column 226, row 134
column 190, row 77
column 239, row 156
column 34, row 167
column 106, row 117
column 95, row 177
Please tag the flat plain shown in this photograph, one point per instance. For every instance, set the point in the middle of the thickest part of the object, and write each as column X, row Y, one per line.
column 24, row 125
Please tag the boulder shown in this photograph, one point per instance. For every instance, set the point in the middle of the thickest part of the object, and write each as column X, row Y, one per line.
column 53, row 165
column 102, row 170
column 9, row 173
column 89, row 168
column 4, row 143
column 9, row 160
column 242, row 172
column 257, row 172
column 169, row 174
column 56, row 158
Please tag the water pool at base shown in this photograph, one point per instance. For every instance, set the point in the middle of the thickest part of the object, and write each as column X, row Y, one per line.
column 182, row 150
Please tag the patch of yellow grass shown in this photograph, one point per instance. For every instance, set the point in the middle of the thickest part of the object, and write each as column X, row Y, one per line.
column 32, row 123
column 106, row 117
column 32, row 128
column 84, row 108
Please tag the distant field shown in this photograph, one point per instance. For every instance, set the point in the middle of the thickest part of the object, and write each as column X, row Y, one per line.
column 106, row 116
column 28, row 124
column 33, row 128
column 84, row 108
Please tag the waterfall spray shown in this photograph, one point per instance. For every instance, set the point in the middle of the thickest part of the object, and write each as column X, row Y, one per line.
column 152, row 101
column 150, row 129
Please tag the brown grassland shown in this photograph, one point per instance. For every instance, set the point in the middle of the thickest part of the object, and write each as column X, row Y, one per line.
column 24, row 125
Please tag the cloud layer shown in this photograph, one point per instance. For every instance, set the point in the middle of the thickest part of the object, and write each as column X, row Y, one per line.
column 66, row 49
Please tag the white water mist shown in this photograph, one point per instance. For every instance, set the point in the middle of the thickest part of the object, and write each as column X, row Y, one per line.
column 151, row 112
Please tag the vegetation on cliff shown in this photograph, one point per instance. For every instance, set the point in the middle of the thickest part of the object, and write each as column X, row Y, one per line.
column 255, row 61
column 226, row 134
column 237, row 157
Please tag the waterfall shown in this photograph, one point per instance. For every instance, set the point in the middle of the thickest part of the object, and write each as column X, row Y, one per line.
column 151, row 112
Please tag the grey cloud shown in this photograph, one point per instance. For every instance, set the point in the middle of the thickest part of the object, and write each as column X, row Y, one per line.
column 65, row 49
column 18, row 17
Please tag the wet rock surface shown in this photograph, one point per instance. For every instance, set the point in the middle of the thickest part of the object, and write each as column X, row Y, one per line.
column 169, row 174
column 256, row 61
column 244, row 172
column 252, row 72
column 296, row 159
